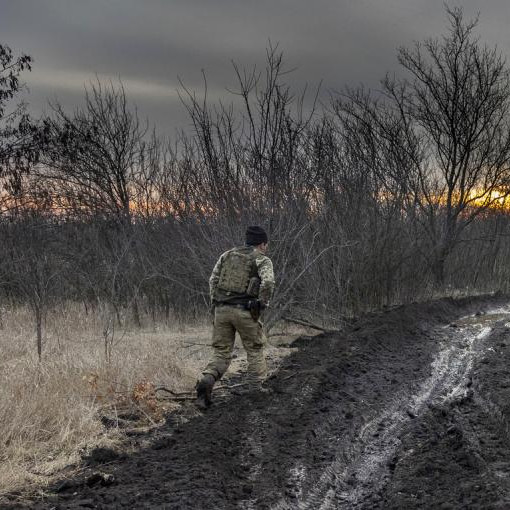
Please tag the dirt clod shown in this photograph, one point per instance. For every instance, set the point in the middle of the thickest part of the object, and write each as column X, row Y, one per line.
column 101, row 456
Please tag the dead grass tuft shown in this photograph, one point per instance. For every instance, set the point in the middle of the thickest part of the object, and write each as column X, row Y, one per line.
column 50, row 412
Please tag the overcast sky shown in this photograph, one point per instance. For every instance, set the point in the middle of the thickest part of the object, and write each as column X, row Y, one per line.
column 149, row 44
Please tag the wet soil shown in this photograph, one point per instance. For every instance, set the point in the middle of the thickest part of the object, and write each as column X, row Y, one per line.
column 409, row 408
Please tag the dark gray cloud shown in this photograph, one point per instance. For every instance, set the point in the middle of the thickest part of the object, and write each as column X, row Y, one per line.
column 149, row 43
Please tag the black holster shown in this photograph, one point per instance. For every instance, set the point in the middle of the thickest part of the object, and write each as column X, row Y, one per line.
column 255, row 308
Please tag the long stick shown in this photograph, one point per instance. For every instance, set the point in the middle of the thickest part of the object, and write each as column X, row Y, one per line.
column 308, row 324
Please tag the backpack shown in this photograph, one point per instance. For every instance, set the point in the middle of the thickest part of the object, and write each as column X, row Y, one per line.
column 239, row 272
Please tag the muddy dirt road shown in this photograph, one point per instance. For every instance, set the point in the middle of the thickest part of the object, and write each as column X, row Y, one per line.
column 404, row 409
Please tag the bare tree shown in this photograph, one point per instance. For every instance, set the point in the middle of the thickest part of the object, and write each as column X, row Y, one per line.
column 92, row 157
column 34, row 266
column 17, row 140
column 457, row 102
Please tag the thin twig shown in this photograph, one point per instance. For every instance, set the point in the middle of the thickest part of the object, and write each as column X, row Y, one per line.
column 174, row 393
column 176, row 399
column 308, row 324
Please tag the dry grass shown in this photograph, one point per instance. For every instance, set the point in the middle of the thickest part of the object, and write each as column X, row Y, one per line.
column 50, row 411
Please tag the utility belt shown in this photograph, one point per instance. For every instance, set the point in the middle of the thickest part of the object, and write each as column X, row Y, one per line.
column 254, row 306
column 242, row 306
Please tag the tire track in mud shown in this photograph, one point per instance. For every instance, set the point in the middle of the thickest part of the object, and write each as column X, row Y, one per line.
column 456, row 455
column 364, row 468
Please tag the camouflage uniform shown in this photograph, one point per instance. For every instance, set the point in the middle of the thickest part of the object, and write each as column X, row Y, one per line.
column 231, row 315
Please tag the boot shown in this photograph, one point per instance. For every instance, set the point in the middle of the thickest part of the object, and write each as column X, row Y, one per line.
column 204, row 389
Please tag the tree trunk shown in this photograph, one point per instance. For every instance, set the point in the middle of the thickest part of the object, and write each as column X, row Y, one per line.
column 136, row 313
column 38, row 327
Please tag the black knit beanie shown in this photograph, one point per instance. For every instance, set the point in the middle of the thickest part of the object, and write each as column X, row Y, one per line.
column 255, row 236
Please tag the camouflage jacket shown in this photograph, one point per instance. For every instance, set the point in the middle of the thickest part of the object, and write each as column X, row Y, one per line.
column 264, row 269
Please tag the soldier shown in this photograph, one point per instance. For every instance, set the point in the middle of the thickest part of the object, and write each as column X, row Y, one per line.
column 241, row 285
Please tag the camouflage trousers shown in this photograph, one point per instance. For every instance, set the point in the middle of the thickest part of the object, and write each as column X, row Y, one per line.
column 228, row 320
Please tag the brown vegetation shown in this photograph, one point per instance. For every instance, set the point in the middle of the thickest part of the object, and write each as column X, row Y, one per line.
column 51, row 412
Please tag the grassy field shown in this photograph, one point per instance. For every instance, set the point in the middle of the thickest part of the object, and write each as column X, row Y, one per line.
column 50, row 412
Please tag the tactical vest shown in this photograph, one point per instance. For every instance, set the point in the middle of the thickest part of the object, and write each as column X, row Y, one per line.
column 238, row 280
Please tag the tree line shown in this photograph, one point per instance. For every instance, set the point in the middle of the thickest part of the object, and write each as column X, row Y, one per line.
column 372, row 199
